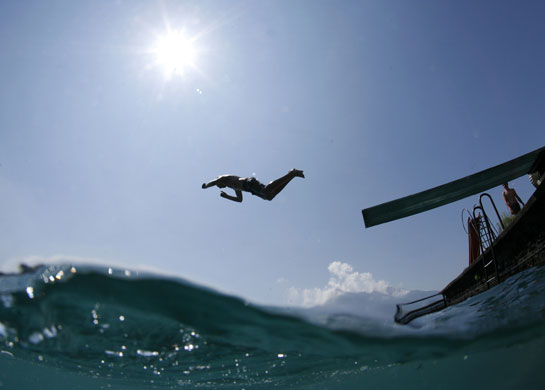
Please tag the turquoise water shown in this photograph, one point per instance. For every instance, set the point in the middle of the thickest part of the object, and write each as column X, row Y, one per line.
column 67, row 327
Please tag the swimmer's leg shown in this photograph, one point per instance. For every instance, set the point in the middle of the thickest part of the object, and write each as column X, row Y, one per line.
column 274, row 187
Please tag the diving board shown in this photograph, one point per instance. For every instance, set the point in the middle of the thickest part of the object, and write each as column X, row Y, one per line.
column 453, row 191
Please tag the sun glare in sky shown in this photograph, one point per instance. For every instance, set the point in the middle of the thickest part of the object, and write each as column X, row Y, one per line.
column 174, row 53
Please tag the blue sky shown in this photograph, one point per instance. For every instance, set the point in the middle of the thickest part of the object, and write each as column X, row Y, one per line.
column 103, row 157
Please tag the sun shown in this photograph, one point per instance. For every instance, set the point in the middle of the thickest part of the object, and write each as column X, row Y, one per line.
column 175, row 53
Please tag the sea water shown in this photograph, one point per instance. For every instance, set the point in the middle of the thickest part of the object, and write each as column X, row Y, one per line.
column 76, row 327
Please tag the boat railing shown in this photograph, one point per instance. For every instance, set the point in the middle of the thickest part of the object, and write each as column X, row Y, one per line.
column 493, row 205
column 488, row 236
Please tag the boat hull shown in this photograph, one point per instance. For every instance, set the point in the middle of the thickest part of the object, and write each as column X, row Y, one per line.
column 519, row 246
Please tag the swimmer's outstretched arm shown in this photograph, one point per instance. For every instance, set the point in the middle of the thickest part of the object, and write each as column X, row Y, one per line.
column 211, row 183
column 237, row 198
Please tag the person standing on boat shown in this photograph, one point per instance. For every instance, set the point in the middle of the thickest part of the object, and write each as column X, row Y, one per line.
column 512, row 199
column 252, row 185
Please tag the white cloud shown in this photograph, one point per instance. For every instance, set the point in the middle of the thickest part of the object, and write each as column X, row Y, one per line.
column 343, row 279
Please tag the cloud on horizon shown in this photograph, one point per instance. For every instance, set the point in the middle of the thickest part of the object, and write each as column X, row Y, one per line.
column 343, row 279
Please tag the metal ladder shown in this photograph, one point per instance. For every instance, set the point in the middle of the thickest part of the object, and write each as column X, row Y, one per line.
column 488, row 236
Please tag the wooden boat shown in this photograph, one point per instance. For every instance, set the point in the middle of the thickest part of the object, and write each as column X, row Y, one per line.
column 519, row 246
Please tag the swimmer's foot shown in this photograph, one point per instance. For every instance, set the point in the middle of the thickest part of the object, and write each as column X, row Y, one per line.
column 298, row 173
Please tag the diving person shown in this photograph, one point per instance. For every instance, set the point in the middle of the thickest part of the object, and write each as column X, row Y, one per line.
column 252, row 185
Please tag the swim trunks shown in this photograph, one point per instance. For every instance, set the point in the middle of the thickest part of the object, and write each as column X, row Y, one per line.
column 514, row 207
column 254, row 186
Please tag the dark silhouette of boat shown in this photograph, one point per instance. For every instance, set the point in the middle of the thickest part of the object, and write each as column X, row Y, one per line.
column 518, row 246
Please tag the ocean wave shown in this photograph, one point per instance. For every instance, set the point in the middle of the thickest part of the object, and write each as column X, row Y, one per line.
column 120, row 323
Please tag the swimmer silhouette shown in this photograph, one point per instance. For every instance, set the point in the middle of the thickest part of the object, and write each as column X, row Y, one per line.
column 252, row 185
